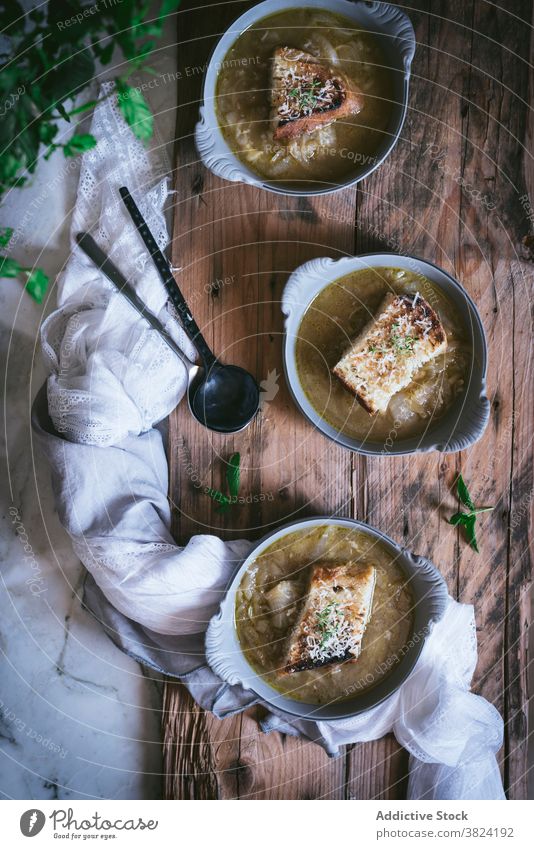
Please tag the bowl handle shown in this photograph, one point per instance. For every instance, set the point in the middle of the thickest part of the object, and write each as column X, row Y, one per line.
column 472, row 427
column 397, row 24
column 435, row 592
column 214, row 154
column 220, row 661
column 296, row 294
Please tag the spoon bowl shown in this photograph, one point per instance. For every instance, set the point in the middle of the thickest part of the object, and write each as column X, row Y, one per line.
column 226, row 399
column 222, row 398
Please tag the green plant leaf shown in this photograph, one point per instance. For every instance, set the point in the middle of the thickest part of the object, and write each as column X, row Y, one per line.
column 58, row 55
column 467, row 520
column 37, row 284
column 469, row 525
column 220, row 498
column 61, row 10
column 79, row 143
column 233, row 474
column 10, row 165
column 12, row 17
column 463, row 493
column 135, row 110
column 168, row 6
column 69, row 75
column 5, row 236
column 9, row 267
column 63, row 112
column 105, row 53
column 457, row 519
column 47, row 132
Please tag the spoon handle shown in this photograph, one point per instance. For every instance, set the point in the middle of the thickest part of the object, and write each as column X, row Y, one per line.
column 102, row 261
column 173, row 290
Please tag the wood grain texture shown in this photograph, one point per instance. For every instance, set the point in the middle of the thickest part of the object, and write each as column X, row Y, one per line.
column 451, row 192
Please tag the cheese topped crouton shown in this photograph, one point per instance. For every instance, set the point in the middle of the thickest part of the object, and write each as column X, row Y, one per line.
column 306, row 95
column 332, row 622
column 404, row 335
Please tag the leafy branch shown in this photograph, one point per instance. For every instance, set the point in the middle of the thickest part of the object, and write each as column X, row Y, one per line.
column 36, row 279
column 467, row 520
column 48, row 56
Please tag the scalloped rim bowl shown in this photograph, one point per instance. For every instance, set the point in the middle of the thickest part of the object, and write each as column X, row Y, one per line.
column 394, row 29
column 461, row 425
column 227, row 660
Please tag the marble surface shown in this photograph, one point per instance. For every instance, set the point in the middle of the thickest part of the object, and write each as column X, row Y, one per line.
column 78, row 719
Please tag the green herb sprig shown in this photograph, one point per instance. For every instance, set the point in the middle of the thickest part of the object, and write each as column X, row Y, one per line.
column 467, row 520
column 327, row 621
column 402, row 344
column 399, row 344
column 307, row 95
column 233, row 479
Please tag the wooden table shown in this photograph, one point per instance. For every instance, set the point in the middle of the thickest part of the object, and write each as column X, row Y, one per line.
column 451, row 192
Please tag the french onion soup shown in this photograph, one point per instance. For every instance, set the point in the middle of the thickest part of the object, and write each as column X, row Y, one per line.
column 324, row 613
column 305, row 95
column 382, row 351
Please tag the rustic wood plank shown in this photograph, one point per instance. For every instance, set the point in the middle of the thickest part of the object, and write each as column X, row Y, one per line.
column 450, row 192
column 239, row 235
column 478, row 164
column 519, row 598
column 207, row 759
column 402, row 208
column 495, row 129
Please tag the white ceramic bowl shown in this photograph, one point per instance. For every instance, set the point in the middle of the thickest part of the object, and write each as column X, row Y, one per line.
column 389, row 24
column 461, row 425
column 226, row 657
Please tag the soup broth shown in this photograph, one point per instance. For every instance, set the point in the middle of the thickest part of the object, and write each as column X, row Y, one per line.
column 334, row 319
column 329, row 155
column 263, row 626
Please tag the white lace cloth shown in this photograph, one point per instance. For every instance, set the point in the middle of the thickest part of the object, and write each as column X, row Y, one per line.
column 111, row 375
column 111, row 380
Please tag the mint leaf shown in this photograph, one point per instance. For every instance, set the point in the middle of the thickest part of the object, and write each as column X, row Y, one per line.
column 79, row 143
column 5, row 236
column 463, row 493
column 135, row 110
column 233, row 474
column 467, row 520
column 37, row 284
column 469, row 525
column 9, row 267
column 457, row 519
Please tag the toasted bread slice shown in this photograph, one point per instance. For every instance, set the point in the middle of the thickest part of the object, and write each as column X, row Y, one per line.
column 404, row 335
column 306, row 94
column 332, row 622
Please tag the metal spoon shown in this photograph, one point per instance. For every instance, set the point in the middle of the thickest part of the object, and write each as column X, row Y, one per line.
column 211, row 413
column 224, row 398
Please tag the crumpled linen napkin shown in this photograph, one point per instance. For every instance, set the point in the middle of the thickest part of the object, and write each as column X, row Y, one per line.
column 95, row 422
